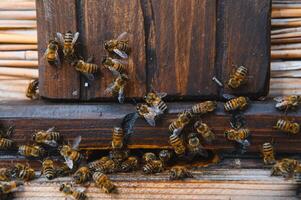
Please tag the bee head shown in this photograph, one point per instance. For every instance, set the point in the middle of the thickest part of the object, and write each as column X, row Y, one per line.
column 62, row 186
column 107, row 44
column 105, row 60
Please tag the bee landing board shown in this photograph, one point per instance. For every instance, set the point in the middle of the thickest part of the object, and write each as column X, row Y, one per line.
column 178, row 46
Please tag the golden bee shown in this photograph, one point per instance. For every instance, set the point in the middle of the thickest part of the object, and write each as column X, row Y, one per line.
column 287, row 102
column 70, row 191
column 205, row 131
column 32, row 89
column 82, row 175
column 204, row 107
column 93, row 166
column 268, row 153
column 179, row 172
column 31, row 151
column 149, row 156
column 238, row 78
column 117, row 87
column 287, row 126
column 154, row 99
column 68, row 43
column 86, row 68
column 9, row 187
column 153, row 166
column 240, row 136
column 177, row 144
column 131, row 163
column 107, row 167
column 148, row 113
column 119, row 46
column 49, row 137
column 102, row 181
column 51, row 54
column 239, row 103
column 117, row 138
column 6, row 144
column 194, row 145
column 116, row 66
column 24, row 172
column 71, row 154
column 177, row 125
column 285, row 167
column 48, row 169
column 166, row 156
column 5, row 174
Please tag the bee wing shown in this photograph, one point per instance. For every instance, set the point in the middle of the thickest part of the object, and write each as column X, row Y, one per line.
column 162, row 94
column 57, row 60
column 69, row 162
column 51, row 143
column 228, row 96
column 128, row 123
column 244, row 143
column 109, row 89
column 89, row 76
column 150, row 117
column 50, row 129
column 81, row 189
column 60, row 38
column 123, row 36
column 123, row 62
column 75, row 37
column 114, row 72
column 279, row 99
column 76, row 142
column 122, row 54
column 121, row 95
column 177, row 131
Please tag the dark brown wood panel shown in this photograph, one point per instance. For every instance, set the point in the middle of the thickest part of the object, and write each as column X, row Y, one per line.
column 56, row 16
column 243, row 38
column 181, row 46
column 104, row 20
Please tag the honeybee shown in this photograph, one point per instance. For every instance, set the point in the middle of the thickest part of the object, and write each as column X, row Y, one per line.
column 119, row 46
column 194, row 145
column 178, row 144
column 205, row 131
column 239, row 136
column 48, row 169
column 268, row 153
column 70, row 191
column 32, row 89
column 148, row 113
column 86, row 68
column 107, row 167
column 239, row 103
column 285, row 167
column 20, row 171
column 6, row 144
column 64, row 170
column 49, row 137
column 117, row 139
column 177, row 125
column 51, row 54
column 153, row 166
column 130, row 164
column 116, row 66
column 93, row 166
column 179, row 172
column 118, row 155
column 166, row 156
column 287, row 102
column 9, row 187
column 82, row 175
column 31, row 151
column 287, row 126
column 102, row 181
column 5, row 174
column 71, row 154
column 204, row 107
column 68, row 43
column 238, row 78
column 117, row 87
column 149, row 156
column 155, row 100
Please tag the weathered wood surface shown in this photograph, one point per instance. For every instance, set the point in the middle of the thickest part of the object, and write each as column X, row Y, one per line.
column 94, row 123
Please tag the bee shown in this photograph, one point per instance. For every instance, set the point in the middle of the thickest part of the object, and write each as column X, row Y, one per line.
column 177, row 125
column 82, row 175
column 71, row 154
column 69, row 190
column 32, row 89
column 240, row 136
column 117, row 87
column 109, row 166
column 153, row 166
column 205, row 131
column 165, row 156
column 239, row 103
column 117, row 139
column 6, row 144
column 48, row 169
column 64, row 170
column 179, row 172
column 93, row 166
column 178, row 144
column 5, row 174
column 149, row 156
column 116, row 66
column 194, row 145
column 119, row 46
column 287, row 102
column 49, row 137
column 102, row 181
column 20, row 171
column 9, row 187
column 155, row 100
column 31, row 151
column 238, row 78
column 51, row 54
column 68, row 43
column 204, row 107
column 285, row 167
column 287, row 126
column 130, row 164
column 268, row 153
column 148, row 113
column 86, row 68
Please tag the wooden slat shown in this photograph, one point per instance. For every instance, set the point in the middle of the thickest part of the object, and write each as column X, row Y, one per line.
column 251, row 18
column 21, row 15
column 181, row 46
column 56, row 16
column 13, row 5
column 18, row 47
column 111, row 19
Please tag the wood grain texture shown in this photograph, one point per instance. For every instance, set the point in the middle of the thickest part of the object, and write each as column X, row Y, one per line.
column 244, row 39
column 56, row 16
column 111, row 19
